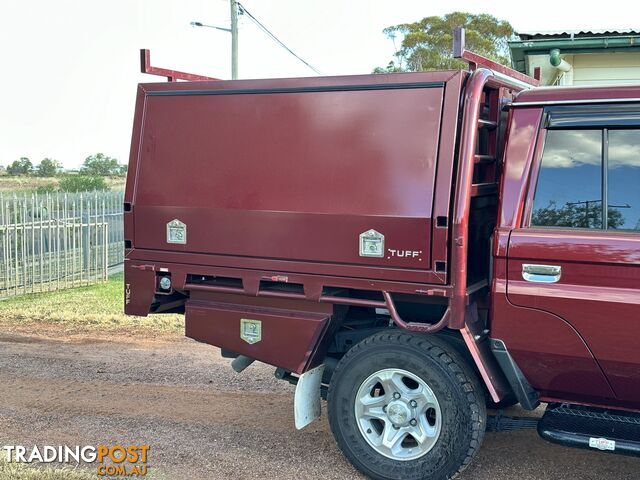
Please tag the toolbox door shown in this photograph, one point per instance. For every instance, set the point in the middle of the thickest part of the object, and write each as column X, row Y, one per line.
column 341, row 176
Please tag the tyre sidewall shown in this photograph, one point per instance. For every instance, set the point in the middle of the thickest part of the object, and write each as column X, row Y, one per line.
column 433, row 366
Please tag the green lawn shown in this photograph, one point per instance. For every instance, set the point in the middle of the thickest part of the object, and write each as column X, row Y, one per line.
column 96, row 308
column 30, row 183
column 21, row 471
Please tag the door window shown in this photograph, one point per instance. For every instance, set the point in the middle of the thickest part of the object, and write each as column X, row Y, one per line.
column 623, row 178
column 569, row 189
column 589, row 178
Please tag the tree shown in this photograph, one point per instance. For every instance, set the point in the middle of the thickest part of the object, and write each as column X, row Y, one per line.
column 82, row 183
column 100, row 164
column 428, row 43
column 23, row 166
column 587, row 214
column 392, row 67
column 48, row 168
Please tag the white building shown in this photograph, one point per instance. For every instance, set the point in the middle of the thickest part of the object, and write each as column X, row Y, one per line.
column 579, row 58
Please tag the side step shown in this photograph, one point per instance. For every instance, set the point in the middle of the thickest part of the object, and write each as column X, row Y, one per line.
column 583, row 427
column 501, row 423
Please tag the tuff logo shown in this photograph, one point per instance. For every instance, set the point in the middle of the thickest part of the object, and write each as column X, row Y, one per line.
column 404, row 253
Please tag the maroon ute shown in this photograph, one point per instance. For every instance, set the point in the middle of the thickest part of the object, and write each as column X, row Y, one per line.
column 413, row 247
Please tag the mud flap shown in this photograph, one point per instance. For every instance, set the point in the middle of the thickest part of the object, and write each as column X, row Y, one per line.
column 307, row 398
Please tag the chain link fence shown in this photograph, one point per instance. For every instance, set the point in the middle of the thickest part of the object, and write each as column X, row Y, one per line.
column 58, row 240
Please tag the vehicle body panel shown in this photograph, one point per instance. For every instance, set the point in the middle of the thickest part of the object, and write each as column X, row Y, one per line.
column 280, row 167
column 552, row 95
column 598, row 294
column 287, row 335
column 276, row 179
column 551, row 354
column 589, row 319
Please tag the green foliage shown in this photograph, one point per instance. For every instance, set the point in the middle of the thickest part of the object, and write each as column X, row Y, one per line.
column 615, row 218
column 24, row 471
column 82, row 183
column 428, row 43
column 46, row 188
column 576, row 215
column 23, row 166
column 100, row 164
column 48, row 168
column 392, row 67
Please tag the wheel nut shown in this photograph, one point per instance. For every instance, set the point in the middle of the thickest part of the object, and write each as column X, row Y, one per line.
column 396, row 395
column 384, row 408
column 413, row 403
column 396, row 427
column 413, row 422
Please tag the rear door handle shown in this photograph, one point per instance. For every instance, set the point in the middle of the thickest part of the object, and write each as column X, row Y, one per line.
column 541, row 273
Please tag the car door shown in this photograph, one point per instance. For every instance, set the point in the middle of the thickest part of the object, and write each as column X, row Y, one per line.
column 577, row 254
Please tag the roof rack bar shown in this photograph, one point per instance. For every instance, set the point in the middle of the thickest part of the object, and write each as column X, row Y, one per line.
column 171, row 75
column 474, row 60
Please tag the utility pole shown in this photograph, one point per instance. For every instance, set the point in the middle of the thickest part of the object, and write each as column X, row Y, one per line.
column 234, row 36
column 234, row 39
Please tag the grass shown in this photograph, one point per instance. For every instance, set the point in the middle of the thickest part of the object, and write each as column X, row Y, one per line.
column 22, row 471
column 93, row 309
column 29, row 183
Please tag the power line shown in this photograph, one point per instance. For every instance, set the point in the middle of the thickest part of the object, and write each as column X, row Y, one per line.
column 243, row 10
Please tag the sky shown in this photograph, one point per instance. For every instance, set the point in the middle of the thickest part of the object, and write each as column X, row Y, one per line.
column 70, row 68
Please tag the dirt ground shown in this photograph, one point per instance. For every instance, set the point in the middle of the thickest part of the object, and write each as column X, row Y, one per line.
column 203, row 421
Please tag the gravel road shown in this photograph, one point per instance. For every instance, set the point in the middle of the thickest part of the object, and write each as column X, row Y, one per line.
column 203, row 421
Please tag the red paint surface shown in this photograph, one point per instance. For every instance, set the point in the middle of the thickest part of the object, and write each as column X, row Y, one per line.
column 288, row 334
column 598, row 294
column 282, row 184
column 282, row 176
column 519, row 150
column 139, row 287
column 575, row 340
column 563, row 94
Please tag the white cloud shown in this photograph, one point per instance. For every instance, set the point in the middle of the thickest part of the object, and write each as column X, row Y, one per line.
column 573, row 148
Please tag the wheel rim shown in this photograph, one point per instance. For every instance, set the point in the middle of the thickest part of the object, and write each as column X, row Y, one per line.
column 398, row 414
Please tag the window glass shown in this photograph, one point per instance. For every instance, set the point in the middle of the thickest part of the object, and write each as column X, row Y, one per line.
column 569, row 188
column 623, row 177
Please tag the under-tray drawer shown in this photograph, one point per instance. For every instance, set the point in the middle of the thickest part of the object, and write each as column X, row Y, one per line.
column 278, row 337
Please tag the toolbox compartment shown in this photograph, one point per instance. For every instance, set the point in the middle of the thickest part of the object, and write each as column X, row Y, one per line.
column 269, row 334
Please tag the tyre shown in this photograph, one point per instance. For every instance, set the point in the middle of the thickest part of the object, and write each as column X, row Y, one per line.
column 406, row 406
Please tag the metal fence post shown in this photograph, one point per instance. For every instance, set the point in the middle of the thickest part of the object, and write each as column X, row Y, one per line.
column 52, row 241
